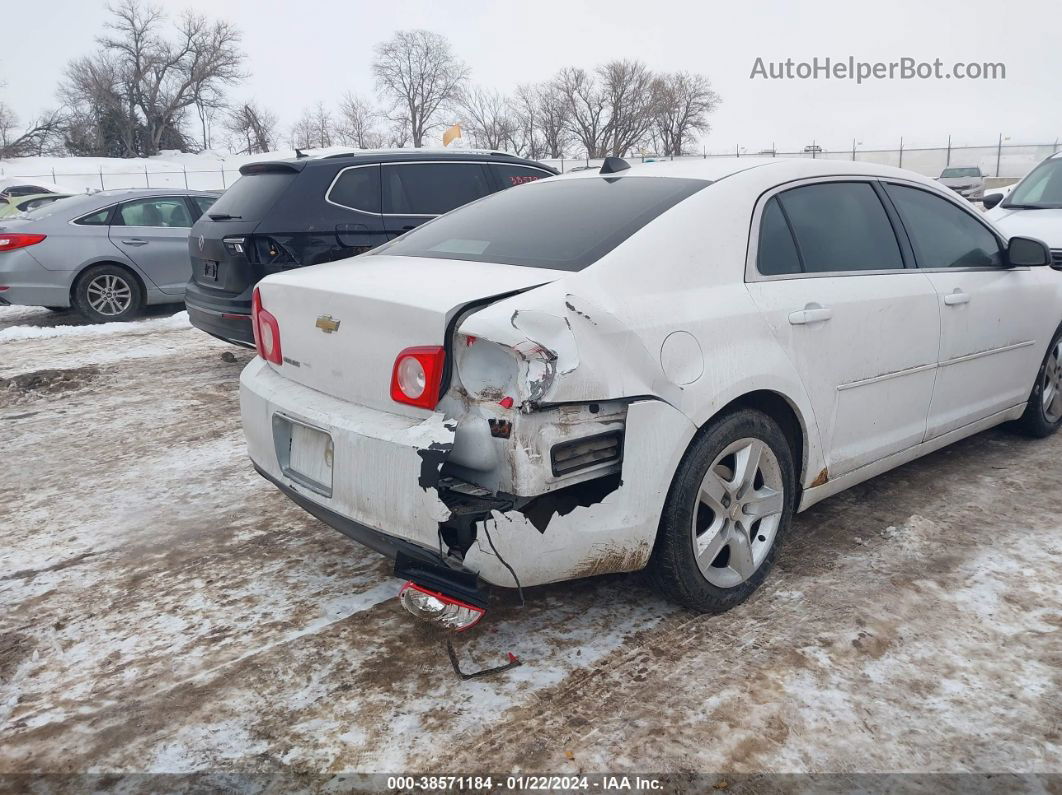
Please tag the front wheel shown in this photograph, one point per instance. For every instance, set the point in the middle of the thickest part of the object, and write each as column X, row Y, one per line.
column 1043, row 414
column 108, row 293
column 730, row 503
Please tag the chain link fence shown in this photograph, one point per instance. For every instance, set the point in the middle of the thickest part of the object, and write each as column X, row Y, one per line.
column 1003, row 163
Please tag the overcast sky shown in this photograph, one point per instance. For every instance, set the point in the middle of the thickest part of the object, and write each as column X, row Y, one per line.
column 299, row 53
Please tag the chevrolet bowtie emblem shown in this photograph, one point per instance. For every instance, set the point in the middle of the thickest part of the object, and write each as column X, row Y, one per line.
column 327, row 324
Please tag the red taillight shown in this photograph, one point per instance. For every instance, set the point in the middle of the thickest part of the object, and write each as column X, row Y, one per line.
column 9, row 241
column 417, row 376
column 439, row 608
column 266, row 331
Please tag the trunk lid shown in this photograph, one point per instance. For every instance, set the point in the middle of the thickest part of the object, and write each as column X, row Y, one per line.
column 342, row 324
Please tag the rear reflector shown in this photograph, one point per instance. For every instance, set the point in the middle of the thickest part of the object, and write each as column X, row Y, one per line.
column 266, row 331
column 440, row 609
column 582, row 453
column 9, row 242
column 417, row 376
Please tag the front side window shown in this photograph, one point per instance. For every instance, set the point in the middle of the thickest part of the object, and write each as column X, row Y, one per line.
column 431, row 188
column 564, row 224
column 841, row 226
column 357, row 188
column 510, row 175
column 161, row 212
column 943, row 235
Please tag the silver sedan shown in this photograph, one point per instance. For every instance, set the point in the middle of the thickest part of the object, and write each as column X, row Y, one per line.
column 108, row 254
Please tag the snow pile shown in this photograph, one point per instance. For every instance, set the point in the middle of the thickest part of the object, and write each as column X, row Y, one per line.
column 174, row 323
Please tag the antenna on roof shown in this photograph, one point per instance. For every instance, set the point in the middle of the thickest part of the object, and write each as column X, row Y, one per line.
column 300, row 154
column 614, row 164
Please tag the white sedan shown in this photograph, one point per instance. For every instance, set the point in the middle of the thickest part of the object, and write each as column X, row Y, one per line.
column 647, row 366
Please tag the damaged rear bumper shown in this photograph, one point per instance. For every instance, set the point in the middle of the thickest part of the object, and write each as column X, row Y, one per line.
column 413, row 562
column 386, row 482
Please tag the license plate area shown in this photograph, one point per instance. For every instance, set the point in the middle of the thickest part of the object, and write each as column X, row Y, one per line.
column 210, row 270
column 305, row 454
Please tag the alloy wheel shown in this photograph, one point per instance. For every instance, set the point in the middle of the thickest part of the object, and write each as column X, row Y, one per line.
column 1051, row 388
column 109, row 295
column 739, row 509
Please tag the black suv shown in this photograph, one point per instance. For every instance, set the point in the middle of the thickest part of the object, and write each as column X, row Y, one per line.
column 290, row 213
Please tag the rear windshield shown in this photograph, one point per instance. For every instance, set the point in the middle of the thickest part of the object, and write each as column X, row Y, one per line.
column 951, row 173
column 559, row 224
column 251, row 196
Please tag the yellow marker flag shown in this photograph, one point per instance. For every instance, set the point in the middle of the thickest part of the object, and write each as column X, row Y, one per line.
column 451, row 133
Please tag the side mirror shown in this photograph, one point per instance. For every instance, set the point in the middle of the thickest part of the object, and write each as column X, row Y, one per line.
column 991, row 200
column 1027, row 252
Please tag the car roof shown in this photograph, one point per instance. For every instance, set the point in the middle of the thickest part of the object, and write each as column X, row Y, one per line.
column 783, row 169
column 120, row 193
column 367, row 156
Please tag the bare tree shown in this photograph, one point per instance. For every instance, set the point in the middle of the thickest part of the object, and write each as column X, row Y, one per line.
column 359, row 123
column 418, row 73
column 682, row 104
column 152, row 80
column 526, row 138
column 488, row 117
column 585, row 109
column 553, row 120
column 253, row 130
column 627, row 93
column 42, row 136
column 314, row 129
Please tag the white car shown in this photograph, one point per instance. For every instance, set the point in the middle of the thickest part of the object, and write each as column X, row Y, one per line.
column 1033, row 207
column 648, row 366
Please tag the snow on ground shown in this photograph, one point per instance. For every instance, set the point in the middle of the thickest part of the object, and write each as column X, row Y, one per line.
column 166, row 610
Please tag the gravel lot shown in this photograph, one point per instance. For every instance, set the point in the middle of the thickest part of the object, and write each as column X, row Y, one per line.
column 164, row 609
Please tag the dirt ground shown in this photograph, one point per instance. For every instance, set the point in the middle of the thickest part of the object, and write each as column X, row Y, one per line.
column 164, row 609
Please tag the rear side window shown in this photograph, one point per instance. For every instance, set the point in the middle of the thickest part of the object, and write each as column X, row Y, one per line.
column 204, row 203
column 431, row 188
column 95, row 219
column 510, row 175
column 563, row 224
column 841, row 226
column 943, row 236
column 251, row 196
column 357, row 188
column 777, row 253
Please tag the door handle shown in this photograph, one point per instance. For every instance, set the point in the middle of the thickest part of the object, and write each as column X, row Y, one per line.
column 812, row 313
column 956, row 298
column 134, row 241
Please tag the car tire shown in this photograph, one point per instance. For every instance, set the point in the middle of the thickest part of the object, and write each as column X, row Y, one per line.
column 730, row 503
column 108, row 294
column 1043, row 414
